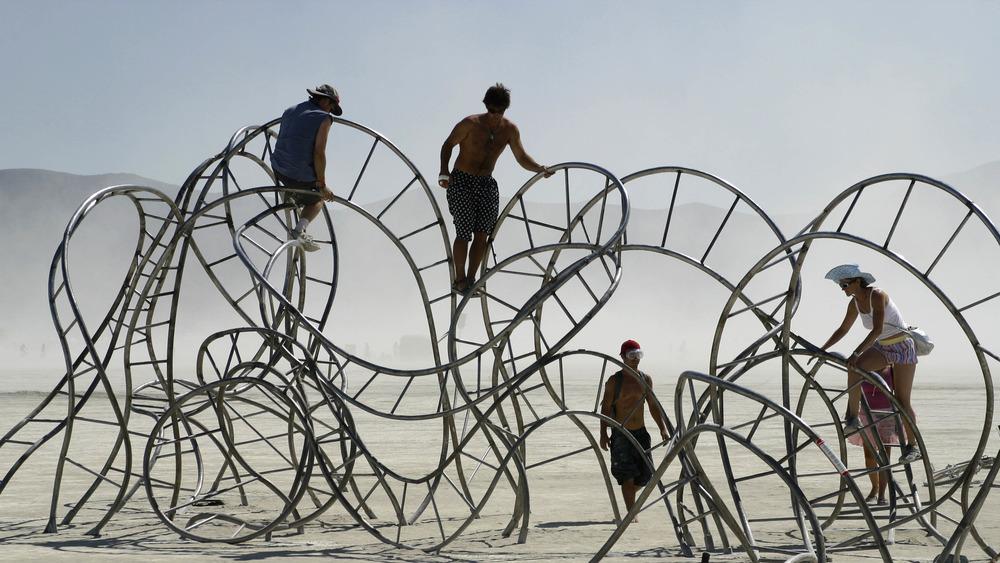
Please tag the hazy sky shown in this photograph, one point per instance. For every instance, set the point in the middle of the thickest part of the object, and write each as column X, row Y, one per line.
column 790, row 101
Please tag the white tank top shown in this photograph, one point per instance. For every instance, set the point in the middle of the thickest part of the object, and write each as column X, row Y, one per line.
column 892, row 322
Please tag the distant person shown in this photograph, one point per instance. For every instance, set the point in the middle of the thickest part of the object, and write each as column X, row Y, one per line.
column 885, row 424
column 299, row 158
column 623, row 401
column 885, row 344
column 473, row 195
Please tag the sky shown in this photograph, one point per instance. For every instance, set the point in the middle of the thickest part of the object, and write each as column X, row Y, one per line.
column 791, row 102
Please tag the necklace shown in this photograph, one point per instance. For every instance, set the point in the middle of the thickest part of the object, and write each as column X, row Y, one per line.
column 492, row 132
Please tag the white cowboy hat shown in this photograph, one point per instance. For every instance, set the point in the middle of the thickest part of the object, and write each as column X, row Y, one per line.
column 849, row 271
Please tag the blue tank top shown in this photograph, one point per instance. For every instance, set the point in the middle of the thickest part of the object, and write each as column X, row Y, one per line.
column 293, row 151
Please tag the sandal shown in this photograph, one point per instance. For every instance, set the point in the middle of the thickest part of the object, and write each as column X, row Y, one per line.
column 870, row 499
column 471, row 281
column 458, row 290
column 882, row 501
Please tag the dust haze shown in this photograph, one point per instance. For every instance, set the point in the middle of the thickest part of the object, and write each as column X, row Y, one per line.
column 669, row 307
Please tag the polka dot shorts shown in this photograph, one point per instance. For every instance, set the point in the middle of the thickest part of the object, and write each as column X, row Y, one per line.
column 473, row 202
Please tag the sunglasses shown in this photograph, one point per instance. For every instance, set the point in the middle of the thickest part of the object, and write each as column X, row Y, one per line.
column 843, row 285
column 634, row 355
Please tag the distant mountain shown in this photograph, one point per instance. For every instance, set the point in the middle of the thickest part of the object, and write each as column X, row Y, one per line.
column 981, row 185
column 15, row 179
column 35, row 206
column 34, row 201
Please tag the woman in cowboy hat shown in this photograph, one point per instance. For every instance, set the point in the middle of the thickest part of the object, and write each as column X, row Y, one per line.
column 885, row 344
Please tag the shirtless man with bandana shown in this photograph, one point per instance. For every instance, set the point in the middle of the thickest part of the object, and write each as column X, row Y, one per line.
column 624, row 400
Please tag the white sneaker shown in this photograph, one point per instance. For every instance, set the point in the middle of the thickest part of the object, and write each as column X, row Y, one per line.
column 910, row 454
column 307, row 242
column 852, row 425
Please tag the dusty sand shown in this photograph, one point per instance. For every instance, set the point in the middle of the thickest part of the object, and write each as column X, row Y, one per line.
column 570, row 513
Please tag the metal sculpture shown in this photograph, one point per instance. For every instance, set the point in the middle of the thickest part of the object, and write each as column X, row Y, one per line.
column 272, row 422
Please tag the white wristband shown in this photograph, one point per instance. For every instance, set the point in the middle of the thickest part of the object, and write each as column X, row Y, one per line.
column 444, row 178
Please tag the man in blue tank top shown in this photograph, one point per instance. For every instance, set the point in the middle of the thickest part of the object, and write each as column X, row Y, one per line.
column 299, row 158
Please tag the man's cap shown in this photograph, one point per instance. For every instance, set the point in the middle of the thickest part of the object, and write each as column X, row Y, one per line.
column 629, row 345
column 327, row 91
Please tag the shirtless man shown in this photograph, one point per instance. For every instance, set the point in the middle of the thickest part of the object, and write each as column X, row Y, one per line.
column 624, row 402
column 473, row 196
